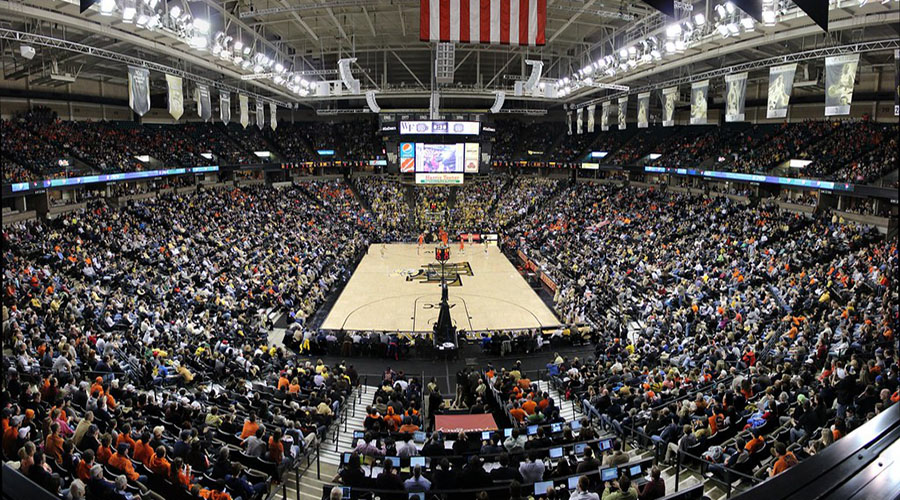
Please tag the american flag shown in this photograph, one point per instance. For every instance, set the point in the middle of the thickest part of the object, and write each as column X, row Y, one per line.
column 507, row 22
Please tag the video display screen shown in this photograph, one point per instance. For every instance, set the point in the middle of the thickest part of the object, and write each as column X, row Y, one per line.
column 439, row 158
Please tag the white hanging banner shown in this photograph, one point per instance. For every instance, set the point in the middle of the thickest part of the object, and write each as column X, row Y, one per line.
column 569, row 121
column 176, row 96
column 735, row 95
column 225, row 107
column 604, row 116
column 840, row 74
column 643, row 120
column 781, row 81
column 699, row 91
column 273, row 121
column 260, row 115
column 579, row 113
column 669, row 96
column 245, row 111
column 623, row 109
column 139, row 89
column 897, row 83
column 204, row 104
column 590, row 117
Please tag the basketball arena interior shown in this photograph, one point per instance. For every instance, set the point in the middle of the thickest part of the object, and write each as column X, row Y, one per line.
column 450, row 249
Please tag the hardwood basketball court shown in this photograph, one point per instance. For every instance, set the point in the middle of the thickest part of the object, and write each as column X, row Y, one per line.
column 396, row 288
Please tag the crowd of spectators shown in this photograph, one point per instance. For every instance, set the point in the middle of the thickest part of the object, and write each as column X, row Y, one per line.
column 787, row 142
column 523, row 195
column 517, row 140
column 104, row 305
column 475, row 202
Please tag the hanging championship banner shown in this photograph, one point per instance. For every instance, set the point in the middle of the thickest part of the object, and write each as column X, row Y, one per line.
column 579, row 120
column 204, row 103
column 643, row 110
column 245, row 112
column 569, row 121
column 897, row 83
column 669, row 96
column 781, row 81
column 590, row 117
column 273, row 121
column 699, row 92
column 623, row 108
column 176, row 96
column 840, row 73
column 260, row 114
column 604, row 116
column 735, row 94
column 225, row 107
column 139, row 89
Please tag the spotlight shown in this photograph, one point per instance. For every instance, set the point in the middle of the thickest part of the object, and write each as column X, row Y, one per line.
column 723, row 30
column 246, row 51
column 238, row 45
column 768, row 17
column 128, row 14
column 199, row 42
column 699, row 19
column 107, row 7
column 174, row 12
column 142, row 20
column 632, row 50
column 729, row 7
column 201, row 25
column 673, row 30
column 153, row 22
column 257, row 69
column 670, row 47
column 679, row 45
column 655, row 53
column 721, row 12
column 747, row 23
column 26, row 51
column 733, row 28
column 279, row 68
column 623, row 52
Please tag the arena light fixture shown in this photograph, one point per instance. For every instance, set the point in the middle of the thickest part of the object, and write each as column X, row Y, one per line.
column 623, row 53
column 201, row 25
column 699, row 19
column 142, row 20
column 680, row 45
column 174, row 11
column 670, row 47
column 748, row 24
column 723, row 30
column 279, row 67
column 673, row 30
column 721, row 12
column 729, row 7
column 128, row 13
column 153, row 22
column 733, row 28
column 238, row 45
column 107, row 7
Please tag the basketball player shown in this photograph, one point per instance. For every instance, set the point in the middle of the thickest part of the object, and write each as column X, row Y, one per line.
column 444, row 237
column 470, row 239
column 383, row 249
column 421, row 243
column 462, row 245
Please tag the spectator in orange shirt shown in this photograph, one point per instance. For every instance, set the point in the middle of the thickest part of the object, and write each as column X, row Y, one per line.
column 755, row 444
column 119, row 461
column 198, row 491
column 158, row 463
column 250, row 426
column 83, row 469
column 104, row 451
column 283, row 383
column 517, row 412
column 125, row 437
column 785, row 460
column 276, row 448
column 529, row 405
column 143, row 452
column 53, row 443
column 180, row 473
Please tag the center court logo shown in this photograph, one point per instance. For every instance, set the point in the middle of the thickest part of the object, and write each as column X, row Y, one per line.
column 431, row 273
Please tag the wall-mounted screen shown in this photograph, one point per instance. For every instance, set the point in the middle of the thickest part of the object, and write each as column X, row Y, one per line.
column 438, row 158
column 438, row 127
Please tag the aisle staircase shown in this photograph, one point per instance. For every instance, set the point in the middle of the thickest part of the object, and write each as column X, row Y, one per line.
column 330, row 453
